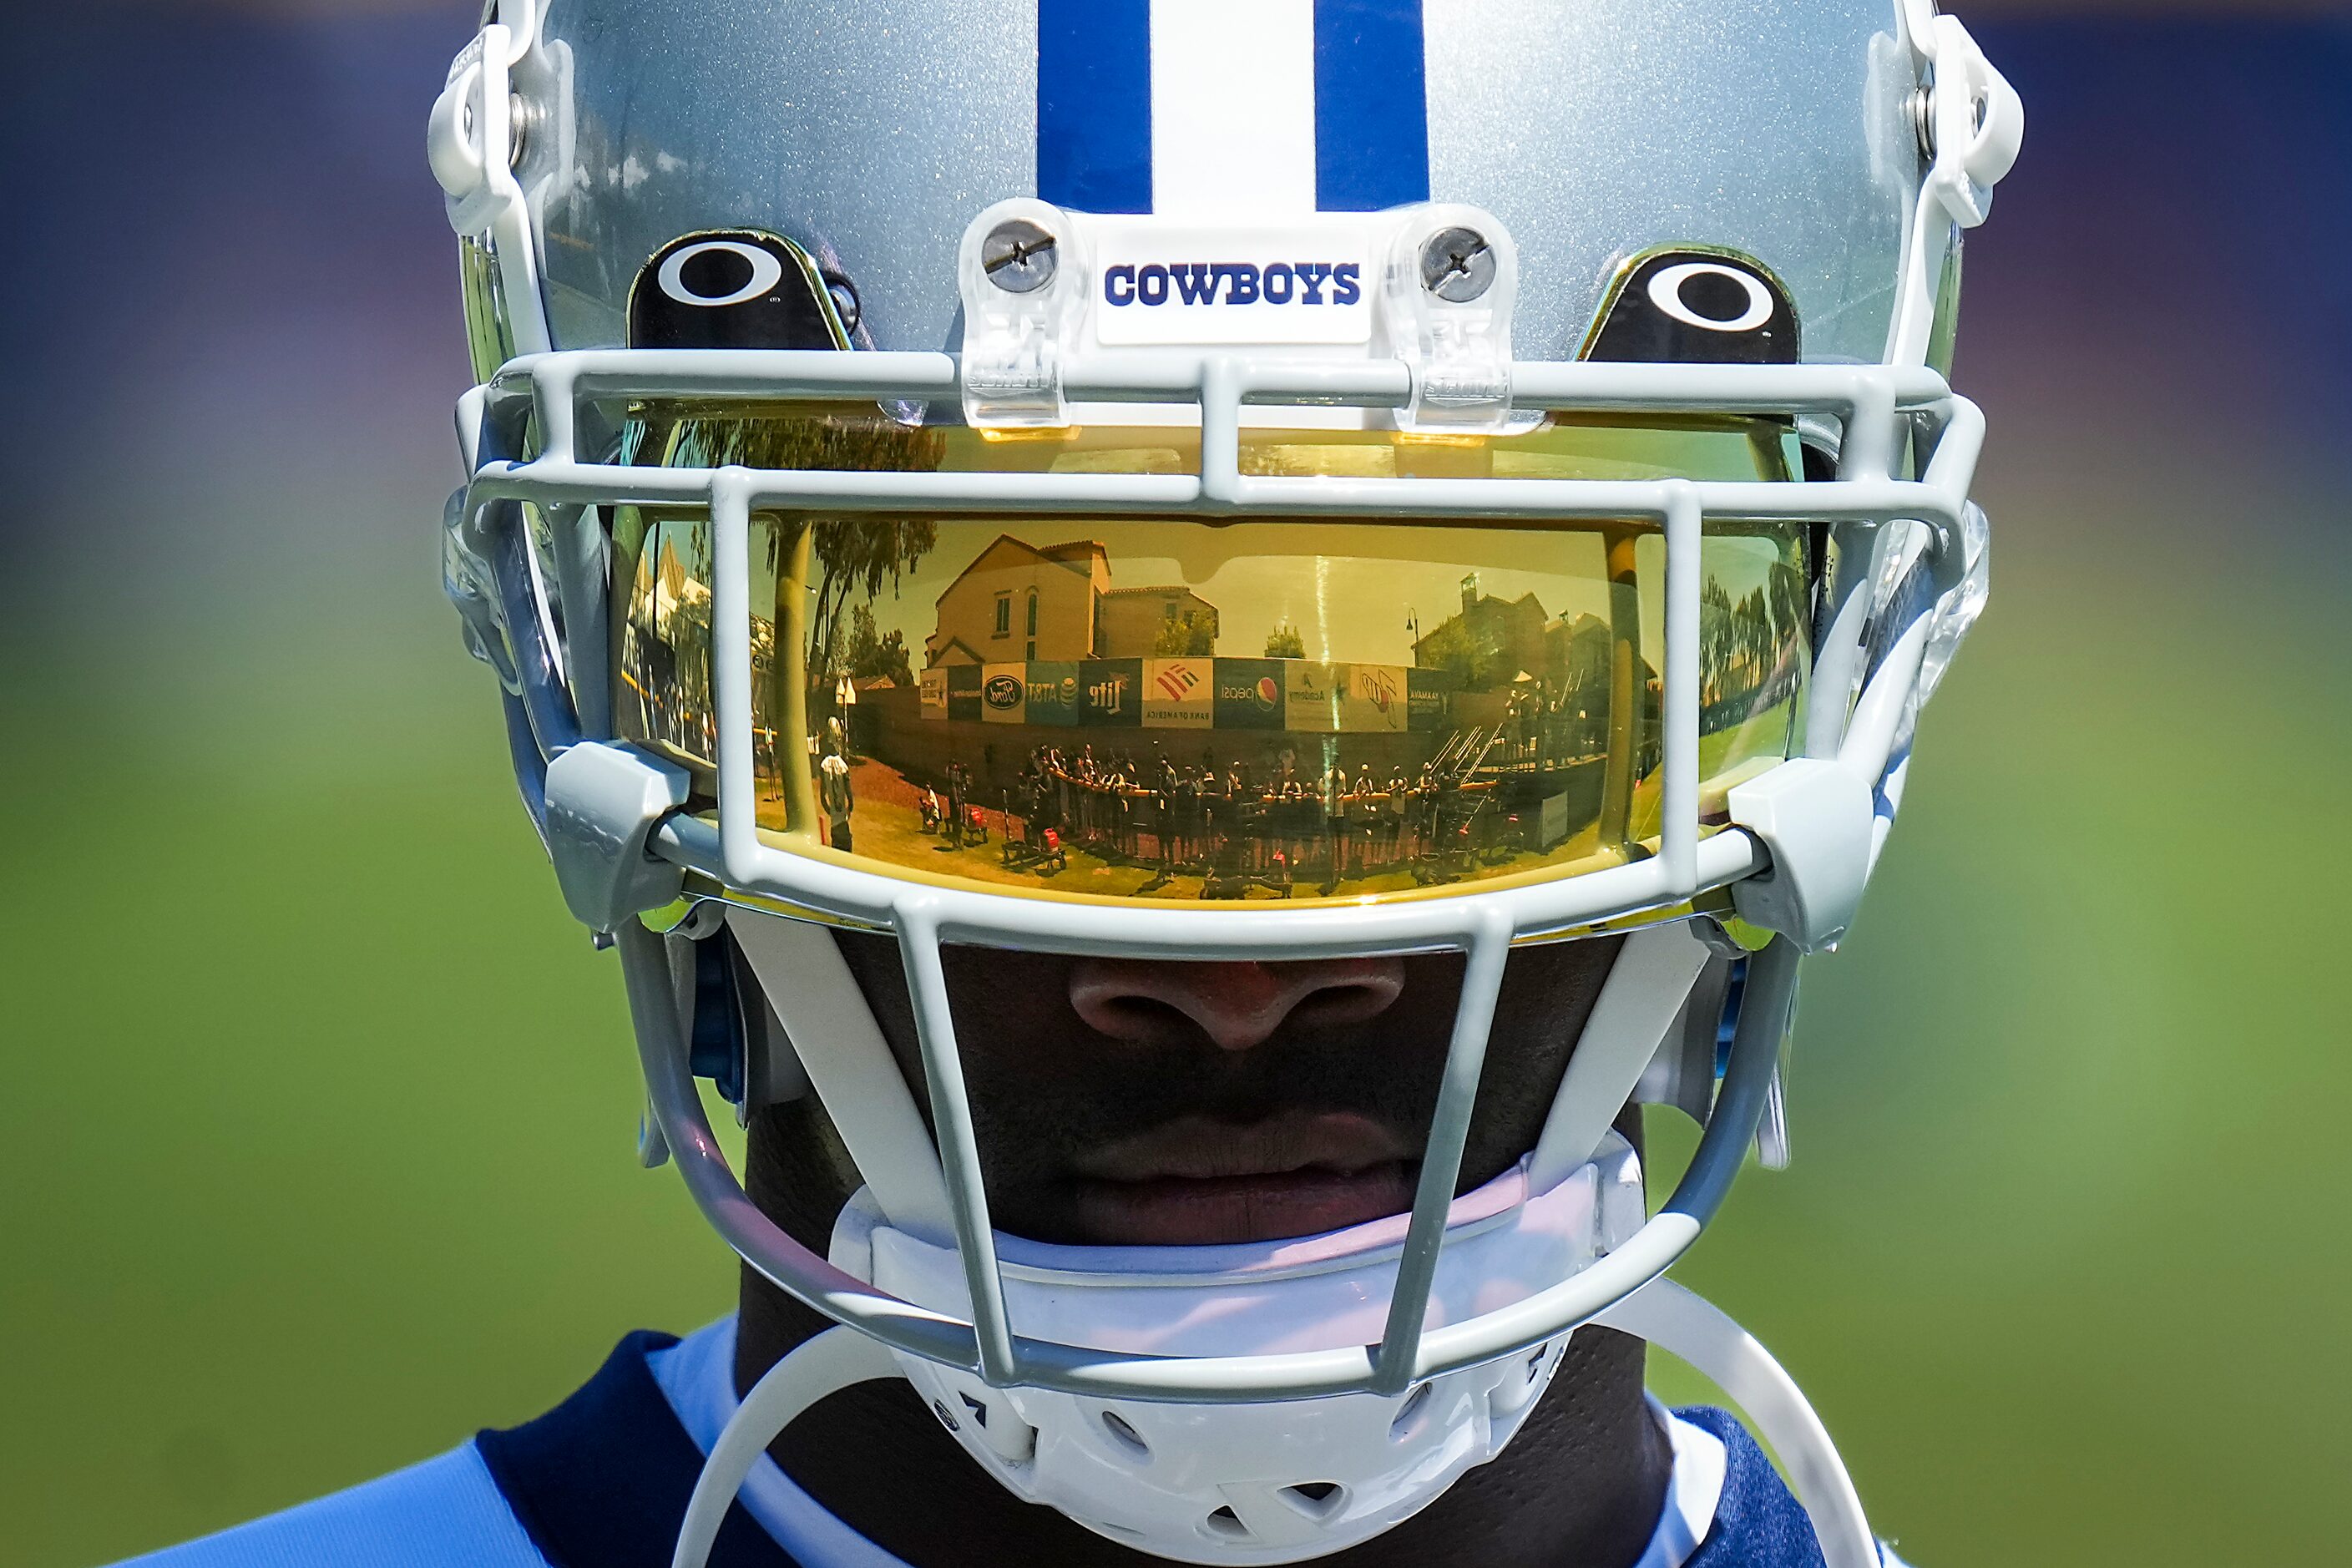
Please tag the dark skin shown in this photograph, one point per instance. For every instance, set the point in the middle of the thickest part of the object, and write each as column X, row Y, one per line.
column 1066, row 1058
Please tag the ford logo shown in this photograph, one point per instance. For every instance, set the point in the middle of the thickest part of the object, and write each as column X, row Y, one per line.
column 1004, row 693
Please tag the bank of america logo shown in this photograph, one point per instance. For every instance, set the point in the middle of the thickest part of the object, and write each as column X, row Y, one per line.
column 1179, row 682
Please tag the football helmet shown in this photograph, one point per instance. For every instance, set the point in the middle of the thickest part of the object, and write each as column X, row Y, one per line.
column 1269, row 480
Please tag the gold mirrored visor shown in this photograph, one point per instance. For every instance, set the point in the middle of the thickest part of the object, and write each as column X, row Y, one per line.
column 1158, row 711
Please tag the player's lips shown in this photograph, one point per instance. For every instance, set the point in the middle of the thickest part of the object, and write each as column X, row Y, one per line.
column 1194, row 1182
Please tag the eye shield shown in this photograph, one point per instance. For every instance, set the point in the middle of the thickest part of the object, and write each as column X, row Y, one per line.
column 1155, row 711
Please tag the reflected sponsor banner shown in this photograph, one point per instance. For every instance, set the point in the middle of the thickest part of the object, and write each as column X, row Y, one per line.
column 1374, row 700
column 963, row 692
column 1345, row 698
column 1054, row 697
column 1179, row 693
column 1296, row 695
column 1250, row 694
column 1004, row 693
column 1110, row 694
column 1429, row 698
column 1313, row 695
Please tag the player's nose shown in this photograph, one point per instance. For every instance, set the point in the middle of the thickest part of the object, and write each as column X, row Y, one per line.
column 1236, row 1005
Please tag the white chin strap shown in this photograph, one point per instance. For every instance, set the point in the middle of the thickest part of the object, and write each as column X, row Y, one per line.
column 1281, row 1481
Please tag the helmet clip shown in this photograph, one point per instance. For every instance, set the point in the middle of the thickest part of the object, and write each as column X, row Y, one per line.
column 1450, row 288
column 602, row 805
column 1022, row 271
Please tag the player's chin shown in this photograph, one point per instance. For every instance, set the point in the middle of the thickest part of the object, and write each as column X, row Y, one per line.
column 1224, row 1210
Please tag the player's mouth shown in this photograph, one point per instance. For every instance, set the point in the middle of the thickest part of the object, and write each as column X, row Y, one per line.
column 1196, row 1182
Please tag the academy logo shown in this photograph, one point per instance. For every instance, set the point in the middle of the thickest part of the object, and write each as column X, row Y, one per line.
column 1335, row 283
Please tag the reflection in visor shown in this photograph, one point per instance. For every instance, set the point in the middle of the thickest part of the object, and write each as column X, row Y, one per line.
column 1175, row 712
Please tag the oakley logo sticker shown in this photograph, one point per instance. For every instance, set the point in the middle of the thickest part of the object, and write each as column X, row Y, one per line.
column 742, row 289
column 1695, row 307
column 710, row 263
column 1696, row 292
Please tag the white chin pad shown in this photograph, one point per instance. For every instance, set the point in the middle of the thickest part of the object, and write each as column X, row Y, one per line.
column 1278, row 1482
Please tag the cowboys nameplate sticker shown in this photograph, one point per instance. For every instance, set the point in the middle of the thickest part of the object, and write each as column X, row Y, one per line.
column 1160, row 284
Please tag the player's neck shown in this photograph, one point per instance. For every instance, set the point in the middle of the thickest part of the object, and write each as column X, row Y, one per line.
column 1584, row 1482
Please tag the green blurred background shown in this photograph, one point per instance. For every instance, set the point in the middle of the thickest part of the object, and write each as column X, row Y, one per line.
column 315, row 1112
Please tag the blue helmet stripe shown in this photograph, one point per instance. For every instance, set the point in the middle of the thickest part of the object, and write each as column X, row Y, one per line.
column 1372, row 105
column 1094, row 104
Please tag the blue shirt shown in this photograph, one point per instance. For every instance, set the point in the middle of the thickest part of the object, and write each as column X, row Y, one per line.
column 602, row 1481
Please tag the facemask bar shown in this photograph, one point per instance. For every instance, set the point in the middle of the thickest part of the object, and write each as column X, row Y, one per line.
column 1406, row 1357
column 1877, row 409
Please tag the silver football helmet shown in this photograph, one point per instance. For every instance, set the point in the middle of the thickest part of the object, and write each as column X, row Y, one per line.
column 1448, row 476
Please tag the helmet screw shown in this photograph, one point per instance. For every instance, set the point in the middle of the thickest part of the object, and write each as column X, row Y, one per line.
column 845, row 303
column 1019, row 256
column 1457, row 265
column 1923, row 121
column 522, row 118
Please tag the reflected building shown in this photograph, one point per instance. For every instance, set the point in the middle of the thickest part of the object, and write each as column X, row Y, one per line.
column 1491, row 642
column 1019, row 603
column 1016, row 603
column 1140, row 623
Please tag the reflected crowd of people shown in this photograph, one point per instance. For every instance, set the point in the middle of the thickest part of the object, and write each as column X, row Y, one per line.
column 1272, row 825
